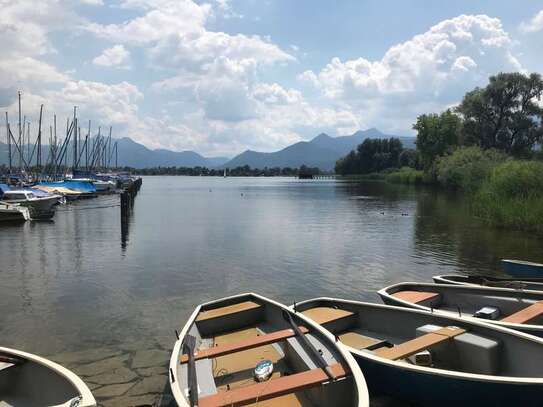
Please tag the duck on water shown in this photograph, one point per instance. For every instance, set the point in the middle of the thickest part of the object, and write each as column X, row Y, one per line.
column 250, row 350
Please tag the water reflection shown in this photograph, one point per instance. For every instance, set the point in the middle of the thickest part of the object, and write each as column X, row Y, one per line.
column 189, row 240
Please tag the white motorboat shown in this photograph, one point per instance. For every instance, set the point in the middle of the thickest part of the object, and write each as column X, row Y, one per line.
column 13, row 212
column 40, row 207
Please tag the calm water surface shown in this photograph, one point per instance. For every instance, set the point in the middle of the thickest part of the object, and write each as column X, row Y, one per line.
column 80, row 282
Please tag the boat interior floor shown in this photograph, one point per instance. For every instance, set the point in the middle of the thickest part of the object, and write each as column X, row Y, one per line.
column 234, row 371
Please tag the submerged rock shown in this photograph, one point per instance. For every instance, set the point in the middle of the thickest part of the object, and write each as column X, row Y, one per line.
column 149, row 358
column 152, row 384
column 84, row 356
column 118, row 375
column 103, row 366
column 113, row 390
column 152, row 371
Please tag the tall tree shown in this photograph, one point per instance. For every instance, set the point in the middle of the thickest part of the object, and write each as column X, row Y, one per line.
column 437, row 134
column 505, row 114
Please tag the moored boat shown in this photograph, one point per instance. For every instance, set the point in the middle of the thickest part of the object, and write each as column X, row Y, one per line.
column 522, row 269
column 249, row 350
column 68, row 194
column 27, row 380
column 13, row 212
column 432, row 359
column 490, row 281
column 40, row 207
column 516, row 309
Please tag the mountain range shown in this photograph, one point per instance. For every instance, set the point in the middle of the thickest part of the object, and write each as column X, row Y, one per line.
column 323, row 151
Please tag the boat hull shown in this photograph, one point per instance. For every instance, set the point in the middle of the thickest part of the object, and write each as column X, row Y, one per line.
column 521, row 269
column 42, row 208
column 429, row 389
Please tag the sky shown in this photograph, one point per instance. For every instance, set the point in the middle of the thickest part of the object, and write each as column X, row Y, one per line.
column 223, row 76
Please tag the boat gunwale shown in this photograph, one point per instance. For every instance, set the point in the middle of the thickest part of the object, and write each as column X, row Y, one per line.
column 87, row 399
column 428, row 370
column 359, row 380
column 383, row 292
column 445, row 279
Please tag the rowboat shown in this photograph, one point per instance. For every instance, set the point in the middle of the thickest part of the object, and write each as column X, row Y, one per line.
column 27, row 380
column 522, row 269
column 248, row 350
column 507, row 307
column 13, row 212
column 489, row 281
column 430, row 359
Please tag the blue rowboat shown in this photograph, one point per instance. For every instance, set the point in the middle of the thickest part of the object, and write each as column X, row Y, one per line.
column 522, row 269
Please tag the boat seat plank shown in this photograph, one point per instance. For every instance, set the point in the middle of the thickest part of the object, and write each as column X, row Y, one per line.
column 243, row 345
column 413, row 346
column 271, row 388
column 525, row 314
column 323, row 315
column 415, row 296
column 227, row 310
column 357, row 341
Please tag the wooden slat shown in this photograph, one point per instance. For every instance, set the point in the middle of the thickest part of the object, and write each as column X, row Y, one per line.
column 323, row 315
column 357, row 341
column 414, row 296
column 243, row 345
column 271, row 388
column 525, row 314
column 227, row 310
column 413, row 346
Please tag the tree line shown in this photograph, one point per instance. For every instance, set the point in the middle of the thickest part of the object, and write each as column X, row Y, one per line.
column 506, row 116
column 242, row 171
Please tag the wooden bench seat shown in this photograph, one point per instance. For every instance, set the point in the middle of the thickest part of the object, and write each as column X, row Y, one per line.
column 226, row 349
column 423, row 342
column 271, row 388
column 415, row 297
column 323, row 315
column 525, row 314
column 358, row 341
column 227, row 310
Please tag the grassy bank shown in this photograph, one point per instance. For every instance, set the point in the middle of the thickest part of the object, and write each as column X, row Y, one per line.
column 406, row 175
column 512, row 196
column 502, row 191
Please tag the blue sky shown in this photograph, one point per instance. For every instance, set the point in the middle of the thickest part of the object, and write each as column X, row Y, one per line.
column 222, row 76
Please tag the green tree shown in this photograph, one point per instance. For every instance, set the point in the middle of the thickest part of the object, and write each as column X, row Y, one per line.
column 505, row 114
column 372, row 155
column 436, row 135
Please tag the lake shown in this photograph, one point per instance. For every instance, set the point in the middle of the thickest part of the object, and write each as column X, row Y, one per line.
column 82, row 283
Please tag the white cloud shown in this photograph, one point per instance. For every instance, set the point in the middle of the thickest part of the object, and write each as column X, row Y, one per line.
column 430, row 71
column 93, row 2
column 162, row 19
column 116, row 56
column 535, row 24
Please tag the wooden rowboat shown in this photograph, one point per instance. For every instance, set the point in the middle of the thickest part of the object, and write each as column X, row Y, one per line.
column 227, row 345
column 535, row 284
column 515, row 309
column 27, row 380
column 432, row 359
